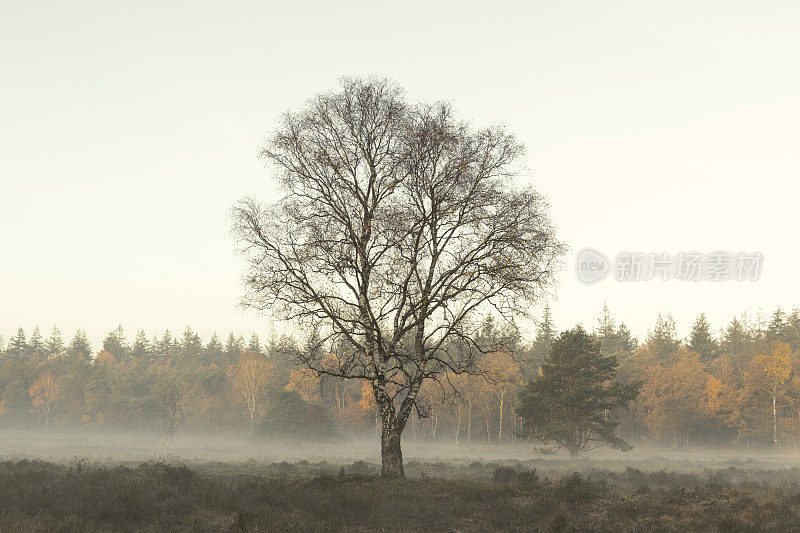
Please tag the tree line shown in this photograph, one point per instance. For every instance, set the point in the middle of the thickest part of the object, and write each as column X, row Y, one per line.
column 739, row 386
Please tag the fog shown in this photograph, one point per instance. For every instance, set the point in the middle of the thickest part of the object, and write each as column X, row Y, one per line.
column 113, row 449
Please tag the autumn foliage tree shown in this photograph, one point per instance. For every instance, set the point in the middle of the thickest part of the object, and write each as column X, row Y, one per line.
column 45, row 393
column 771, row 371
column 673, row 396
column 250, row 376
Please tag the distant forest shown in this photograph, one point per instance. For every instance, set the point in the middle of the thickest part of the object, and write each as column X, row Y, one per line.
column 737, row 387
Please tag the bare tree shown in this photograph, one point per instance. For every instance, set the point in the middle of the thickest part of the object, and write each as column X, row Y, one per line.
column 171, row 400
column 250, row 376
column 399, row 225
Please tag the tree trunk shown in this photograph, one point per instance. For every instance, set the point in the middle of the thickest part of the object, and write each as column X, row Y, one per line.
column 458, row 423
column 391, row 453
column 500, row 424
column 774, row 422
column 469, row 421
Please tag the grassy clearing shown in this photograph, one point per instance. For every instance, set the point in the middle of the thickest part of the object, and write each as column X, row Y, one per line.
column 42, row 496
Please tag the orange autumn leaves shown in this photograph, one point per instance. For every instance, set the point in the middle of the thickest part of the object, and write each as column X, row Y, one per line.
column 682, row 398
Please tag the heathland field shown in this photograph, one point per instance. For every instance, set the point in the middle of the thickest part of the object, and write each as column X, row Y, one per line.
column 122, row 484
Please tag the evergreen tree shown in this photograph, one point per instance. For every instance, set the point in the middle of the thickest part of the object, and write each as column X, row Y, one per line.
column 116, row 344
column 793, row 330
column 756, row 329
column 233, row 348
column 163, row 348
column 616, row 341
column 741, row 341
column 140, row 350
column 545, row 334
column 254, row 345
column 18, row 345
column 663, row 340
column 627, row 341
column 36, row 344
column 605, row 324
column 55, row 344
column 734, row 338
column 701, row 341
column 191, row 347
column 575, row 402
column 214, row 351
column 777, row 327
column 80, row 347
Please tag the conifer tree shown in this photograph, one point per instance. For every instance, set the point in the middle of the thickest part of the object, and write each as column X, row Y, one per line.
column 191, row 346
column 663, row 339
column 233, row 348
column 36, row 344
column 776, row 329
column 575, row 402
column 116, row 344
column 701, row 340
column 80, row 346
column 141, row 349
column 545, row 334
column 213, row 351
column 55, row 344
column 18, row 345
column 254, row 345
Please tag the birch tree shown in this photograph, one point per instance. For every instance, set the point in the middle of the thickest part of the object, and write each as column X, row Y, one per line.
column 398, row 225
column 250, row 376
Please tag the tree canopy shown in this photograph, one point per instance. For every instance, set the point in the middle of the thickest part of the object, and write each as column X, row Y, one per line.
column 574, row 403
column 398, row 225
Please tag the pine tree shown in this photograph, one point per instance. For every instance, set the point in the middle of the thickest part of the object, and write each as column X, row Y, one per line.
column 233, row 348
column 191, row 347
column 777, row 327
column 116, row 344
column 793, row 330
column 538, row 350
column 627, row 341
column 734, row 337
column 663, row 340
column 54, row 346
column 18, row 345
column 575, row 402
column 613, row 341
column 740, row 342
column 140, row 350
column 163, row 348
column 254, row 345
column 213, row 352
column 36, row 344
column 80, row 347
column 605, row 324
column 701, row 341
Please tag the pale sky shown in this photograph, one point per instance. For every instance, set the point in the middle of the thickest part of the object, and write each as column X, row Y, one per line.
column 127, row 130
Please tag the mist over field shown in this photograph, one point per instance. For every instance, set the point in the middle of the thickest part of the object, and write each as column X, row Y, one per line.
column 447, row 458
